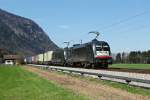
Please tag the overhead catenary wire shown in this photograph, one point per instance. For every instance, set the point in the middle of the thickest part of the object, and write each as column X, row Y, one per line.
column 125, row 20
column 118, row 23
column 135, row 29
column 121, row 21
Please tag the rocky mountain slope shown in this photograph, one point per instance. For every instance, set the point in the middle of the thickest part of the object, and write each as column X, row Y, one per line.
column 22, row 36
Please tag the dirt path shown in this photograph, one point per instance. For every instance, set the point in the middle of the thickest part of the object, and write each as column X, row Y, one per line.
column 95, row 91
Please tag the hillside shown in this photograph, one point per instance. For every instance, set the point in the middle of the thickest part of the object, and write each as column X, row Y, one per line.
column 22, row 36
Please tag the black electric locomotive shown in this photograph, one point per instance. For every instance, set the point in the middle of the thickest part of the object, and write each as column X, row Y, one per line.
column 95, row 54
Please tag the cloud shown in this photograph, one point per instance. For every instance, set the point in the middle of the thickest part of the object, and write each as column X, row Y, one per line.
column 64, row 26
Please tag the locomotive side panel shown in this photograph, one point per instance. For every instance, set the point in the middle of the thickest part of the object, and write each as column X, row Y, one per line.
column 83, row 54
column 90, row 53
column 79, row 54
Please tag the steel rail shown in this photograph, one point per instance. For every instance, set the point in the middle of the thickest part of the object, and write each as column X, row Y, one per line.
column 100, row 75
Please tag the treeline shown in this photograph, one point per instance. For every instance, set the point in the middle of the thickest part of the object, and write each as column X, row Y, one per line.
column 134, row 57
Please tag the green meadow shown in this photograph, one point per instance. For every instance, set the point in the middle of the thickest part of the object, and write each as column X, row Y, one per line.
column 19, row 84
column 131, row 66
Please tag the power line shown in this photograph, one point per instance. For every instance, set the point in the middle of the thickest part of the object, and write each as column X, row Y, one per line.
column 125, row 20
column 136, row 29
column 122, row 21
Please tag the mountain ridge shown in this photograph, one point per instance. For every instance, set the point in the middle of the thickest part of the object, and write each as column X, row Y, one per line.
column 23, row 36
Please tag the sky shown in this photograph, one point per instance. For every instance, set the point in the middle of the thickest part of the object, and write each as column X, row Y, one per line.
column 124, row 24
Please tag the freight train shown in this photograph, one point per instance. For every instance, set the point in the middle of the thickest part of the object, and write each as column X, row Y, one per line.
column 94, row 54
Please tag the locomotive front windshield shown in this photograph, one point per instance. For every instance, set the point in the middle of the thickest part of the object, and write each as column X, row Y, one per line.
column 102, row 50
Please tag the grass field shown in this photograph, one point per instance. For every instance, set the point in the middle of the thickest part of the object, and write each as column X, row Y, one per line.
column 19, row 84
column 132, row 66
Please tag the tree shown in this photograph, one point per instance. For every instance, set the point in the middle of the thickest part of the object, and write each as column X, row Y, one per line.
column 118, row 58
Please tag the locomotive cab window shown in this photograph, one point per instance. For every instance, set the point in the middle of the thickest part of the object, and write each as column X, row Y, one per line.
column 106, row 48
column 102, row 50
column 98, row 48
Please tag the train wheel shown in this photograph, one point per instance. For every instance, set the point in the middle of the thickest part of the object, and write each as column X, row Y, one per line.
column 86, row 65
column 82, row 65
column 93, row 66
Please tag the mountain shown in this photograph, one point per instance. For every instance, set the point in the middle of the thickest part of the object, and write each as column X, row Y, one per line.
column 23, row 36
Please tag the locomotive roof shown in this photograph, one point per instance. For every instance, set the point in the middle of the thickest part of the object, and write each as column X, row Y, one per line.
column 98, row 42
column 95, row 41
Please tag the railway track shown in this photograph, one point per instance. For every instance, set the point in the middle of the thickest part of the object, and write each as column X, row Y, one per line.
column 130, row 78
column 142, row 71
